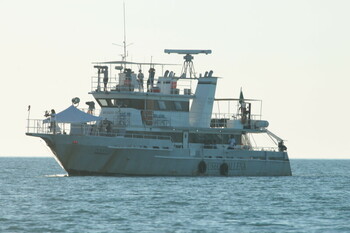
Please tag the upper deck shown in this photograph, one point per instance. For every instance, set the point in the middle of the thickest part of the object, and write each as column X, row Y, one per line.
column 111, row 79
column 117, row 77
column 121, row 86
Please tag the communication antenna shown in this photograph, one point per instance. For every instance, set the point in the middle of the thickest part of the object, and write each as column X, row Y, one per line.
column 125, row 54
column 188, row 63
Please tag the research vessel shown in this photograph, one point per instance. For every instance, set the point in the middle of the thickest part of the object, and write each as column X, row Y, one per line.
column 172, row 125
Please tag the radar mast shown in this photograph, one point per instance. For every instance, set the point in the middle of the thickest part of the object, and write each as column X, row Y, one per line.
column 188, row 63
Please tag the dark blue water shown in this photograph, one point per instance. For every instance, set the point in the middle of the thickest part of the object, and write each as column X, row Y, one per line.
column 35, row 198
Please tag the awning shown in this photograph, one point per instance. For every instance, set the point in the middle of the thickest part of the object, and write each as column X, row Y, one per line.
column 73, row 115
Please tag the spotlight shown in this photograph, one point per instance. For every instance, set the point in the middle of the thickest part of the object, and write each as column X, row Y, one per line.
column 75, row 101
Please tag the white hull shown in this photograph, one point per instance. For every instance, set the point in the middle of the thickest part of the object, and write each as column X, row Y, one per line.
column 119, row 156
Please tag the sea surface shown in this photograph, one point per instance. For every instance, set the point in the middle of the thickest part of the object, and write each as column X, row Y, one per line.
column 37, row 196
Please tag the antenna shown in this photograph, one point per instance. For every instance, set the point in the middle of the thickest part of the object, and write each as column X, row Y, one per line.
column 187, row 51
column 125, row 54
column 124, row 42
column 188, row 63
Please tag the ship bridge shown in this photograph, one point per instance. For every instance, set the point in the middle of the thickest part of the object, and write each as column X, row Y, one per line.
column 124, row 85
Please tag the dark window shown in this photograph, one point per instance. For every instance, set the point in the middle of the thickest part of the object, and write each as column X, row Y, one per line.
column 162, row 105
column 102, row 102
column 178, row 106
column 211, row 138
column 175, row 137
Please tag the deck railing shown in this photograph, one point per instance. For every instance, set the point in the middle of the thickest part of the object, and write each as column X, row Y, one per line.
column 184, row 86
column 37, row 126
column 40, row 126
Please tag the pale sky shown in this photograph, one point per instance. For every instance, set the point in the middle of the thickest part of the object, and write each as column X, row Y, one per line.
column 294, row 55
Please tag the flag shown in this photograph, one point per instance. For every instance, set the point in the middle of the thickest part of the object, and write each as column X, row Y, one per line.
column 241, row 98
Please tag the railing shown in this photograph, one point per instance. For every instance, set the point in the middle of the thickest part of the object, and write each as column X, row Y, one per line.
column 37, row 126
column 99, row 86
column 184, row 86
column 41, row 127
column 232, row 109
column 233, row 116
column 46, row 127
column 224, row 122
column 240, row 147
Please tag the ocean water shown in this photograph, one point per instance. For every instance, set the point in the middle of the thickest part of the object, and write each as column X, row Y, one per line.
column 36, row 196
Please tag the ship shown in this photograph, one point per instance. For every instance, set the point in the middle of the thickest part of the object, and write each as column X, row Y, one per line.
column 170, row 125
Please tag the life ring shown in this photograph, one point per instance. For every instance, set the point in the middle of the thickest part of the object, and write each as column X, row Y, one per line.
column 224, row 169
column 202, row 167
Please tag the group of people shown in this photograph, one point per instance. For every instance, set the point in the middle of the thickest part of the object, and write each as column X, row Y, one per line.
column 140, row 78
column 150, row 80
column 53, row 124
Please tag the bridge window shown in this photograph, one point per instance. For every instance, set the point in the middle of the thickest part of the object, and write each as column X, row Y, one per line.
column 161, row 105
column 102, row 102
column 177, row 106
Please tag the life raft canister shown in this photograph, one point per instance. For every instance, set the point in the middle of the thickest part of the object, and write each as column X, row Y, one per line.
column 173, row 84
column 202, row 167
column 224, row 169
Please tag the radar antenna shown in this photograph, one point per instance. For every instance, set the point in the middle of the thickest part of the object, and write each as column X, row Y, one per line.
column 188, row 63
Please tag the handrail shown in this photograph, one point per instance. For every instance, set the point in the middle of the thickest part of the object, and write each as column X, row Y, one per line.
column 36, row 126
column 231, row 116
column 183, row 88
column 41, row 127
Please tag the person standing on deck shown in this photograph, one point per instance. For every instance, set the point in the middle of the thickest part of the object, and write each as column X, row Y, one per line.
column 150, row 80
column 232, row 142
column 53, row 121
column 140, row 77
column 105, row 77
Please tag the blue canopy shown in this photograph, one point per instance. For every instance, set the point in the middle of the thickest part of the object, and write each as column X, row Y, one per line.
column 73, row 115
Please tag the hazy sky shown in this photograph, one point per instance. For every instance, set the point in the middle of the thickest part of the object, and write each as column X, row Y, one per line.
column 294, row 55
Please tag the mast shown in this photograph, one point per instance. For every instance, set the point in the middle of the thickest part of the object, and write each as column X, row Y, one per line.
column 125, row 45
column 124, row 42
